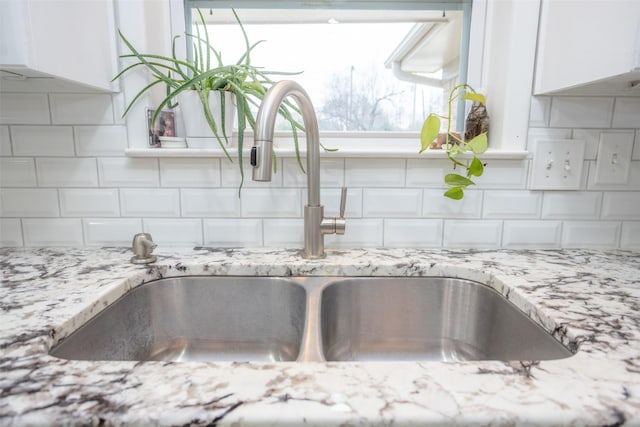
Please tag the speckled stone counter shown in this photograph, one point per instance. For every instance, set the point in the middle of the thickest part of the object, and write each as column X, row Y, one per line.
column 590, row 300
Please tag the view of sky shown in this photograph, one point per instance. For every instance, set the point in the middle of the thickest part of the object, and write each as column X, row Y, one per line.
column 356, row 50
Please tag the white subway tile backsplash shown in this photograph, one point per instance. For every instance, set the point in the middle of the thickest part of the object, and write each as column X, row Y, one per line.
column 539, row 112
column 52, row 232
column 435, row 205
column 190, row 172
column 571, row 205
column 511, row 204
column 531, row 234
column 29, row 202
column 10, row 232
column 218, row 202
column 100, row 140
column 5, row 141
column 581, row 112
column 413, row 233
column 503, row 174
column 330, row 198
column 232, row 232
column 89, row 202
column 621, row 205
column 626, row 113
column 67, row 172
column 42, row 140
column 283, row 233
column 102, row 197
column 630, row 238
column 128, row 172
column 174, row 232
column 271, row 202
column 331, row 173
column 590, row 234
column 81, row 109
column 24, row 109
column 360, row 233
column 230, row 175
column 392, row 202
column 150, row 202
column 375, row 172
column 17, row 172
column 537, row 134
column 472, row 233
column 111, row 231
column 427, row 172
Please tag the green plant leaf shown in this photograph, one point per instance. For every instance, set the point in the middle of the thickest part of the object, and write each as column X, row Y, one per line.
column 455, row 193
column 475, row 97
column 455, row 180
column 479, row 144
column 242, row 107
column 429, row 132
column 476, row 168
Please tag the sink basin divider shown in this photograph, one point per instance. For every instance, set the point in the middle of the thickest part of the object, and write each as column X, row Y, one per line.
column 311, row 347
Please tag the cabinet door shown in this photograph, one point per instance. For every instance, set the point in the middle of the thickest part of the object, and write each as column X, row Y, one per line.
column 73, row 40
column 588, row 46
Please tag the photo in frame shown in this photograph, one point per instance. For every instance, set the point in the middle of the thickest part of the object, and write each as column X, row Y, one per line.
column 165, row 125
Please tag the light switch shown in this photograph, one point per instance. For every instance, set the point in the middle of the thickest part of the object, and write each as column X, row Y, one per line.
column 557, row 164
column 614, row 158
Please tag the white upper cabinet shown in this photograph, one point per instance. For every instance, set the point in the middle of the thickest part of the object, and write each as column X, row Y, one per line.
column 588, row 47
column 57, row 45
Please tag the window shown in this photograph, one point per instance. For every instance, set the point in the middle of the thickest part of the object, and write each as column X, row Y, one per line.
column 368, row 66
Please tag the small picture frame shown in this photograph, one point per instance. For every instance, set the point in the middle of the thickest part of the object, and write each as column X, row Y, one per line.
column 165, row 125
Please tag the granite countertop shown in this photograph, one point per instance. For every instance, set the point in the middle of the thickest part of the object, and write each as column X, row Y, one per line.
column 590, row 300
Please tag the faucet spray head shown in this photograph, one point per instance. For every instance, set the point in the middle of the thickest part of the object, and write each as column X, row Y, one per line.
column 261, row 160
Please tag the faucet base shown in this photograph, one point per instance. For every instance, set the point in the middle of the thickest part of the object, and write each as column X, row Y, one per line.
column 313, row 236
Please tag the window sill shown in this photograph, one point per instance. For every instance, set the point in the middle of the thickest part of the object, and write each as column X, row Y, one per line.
column 367, row 145
column 341, row 153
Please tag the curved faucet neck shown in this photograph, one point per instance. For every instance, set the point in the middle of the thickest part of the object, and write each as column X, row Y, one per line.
column 264, row 130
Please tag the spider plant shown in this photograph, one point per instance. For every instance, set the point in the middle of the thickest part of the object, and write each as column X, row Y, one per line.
column 454, row 145
column 206, row 73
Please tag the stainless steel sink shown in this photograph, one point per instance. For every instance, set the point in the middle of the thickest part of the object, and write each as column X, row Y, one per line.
column 428, row 319
column 196, row 318
column 310, row 319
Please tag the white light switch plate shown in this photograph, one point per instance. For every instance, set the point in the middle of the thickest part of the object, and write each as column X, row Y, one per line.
column 557, row 164
column 614, row 158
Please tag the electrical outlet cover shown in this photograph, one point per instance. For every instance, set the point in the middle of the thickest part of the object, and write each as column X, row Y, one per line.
column 557, row 164
column 614, row 158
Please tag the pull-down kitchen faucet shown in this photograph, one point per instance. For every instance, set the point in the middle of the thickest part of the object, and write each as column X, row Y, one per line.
column 315, row 225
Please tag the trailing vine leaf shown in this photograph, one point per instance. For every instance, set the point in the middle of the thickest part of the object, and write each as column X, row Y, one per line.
column 479, row 144
column 476, row 168
column 475, row 97
column 455, row 193
column 429, row 132
column 454, row 145
column 455, row 180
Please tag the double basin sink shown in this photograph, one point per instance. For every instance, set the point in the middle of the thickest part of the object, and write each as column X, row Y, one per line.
column 232, row 318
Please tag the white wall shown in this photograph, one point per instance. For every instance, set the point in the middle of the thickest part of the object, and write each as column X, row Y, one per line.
column 65, row 181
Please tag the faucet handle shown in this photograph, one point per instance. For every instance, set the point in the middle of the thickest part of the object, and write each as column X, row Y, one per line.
column 343, row 201
column 341, row 223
